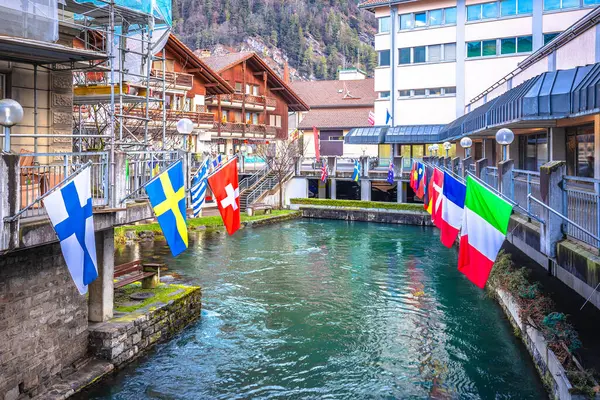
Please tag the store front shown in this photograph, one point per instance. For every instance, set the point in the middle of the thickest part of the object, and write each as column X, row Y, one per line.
column 580, row 151
column 533, row 151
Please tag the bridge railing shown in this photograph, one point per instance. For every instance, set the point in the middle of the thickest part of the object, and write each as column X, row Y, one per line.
column 525, row 183
column 141, row 166
column 581, row 205
column 490, row 176
column 36, row 178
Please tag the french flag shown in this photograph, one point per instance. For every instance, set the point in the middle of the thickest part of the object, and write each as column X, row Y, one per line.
column 453, row 204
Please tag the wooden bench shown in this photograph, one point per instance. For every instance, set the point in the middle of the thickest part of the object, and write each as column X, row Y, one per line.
column 251, row 209
column 135, row 271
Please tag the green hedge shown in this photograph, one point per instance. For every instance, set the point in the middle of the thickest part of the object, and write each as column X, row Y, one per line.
column 359, row 204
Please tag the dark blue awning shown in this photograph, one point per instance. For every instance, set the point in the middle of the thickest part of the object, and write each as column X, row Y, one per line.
column 371, row 135
column 413, row 134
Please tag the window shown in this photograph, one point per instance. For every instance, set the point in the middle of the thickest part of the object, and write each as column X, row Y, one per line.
column 429, row 92
column 419, row 54
column 252, row 118
column 278, row 121
column 434, row 92
column 508, row 7
column 420, row 20
column 508, row 46
column 419, row 92
column 550, row 5
column 238, row 87
column 436, row 17
column 548, row 37
column 404, row 56
column 384, row 25
column 271, row 120
column 473, row 49
column 384, row 58
column 404, row 93
column 224, row 116
column 435, row 53
column 489, row 48
column 524, row 6
column 406, row 21
column 450, row 15
column 474, row 12
column 384, row 95
column 450, row 90
column 524, row 44
column 536, row 151
column 590, row 2
column 450, row 51
column 489, row 10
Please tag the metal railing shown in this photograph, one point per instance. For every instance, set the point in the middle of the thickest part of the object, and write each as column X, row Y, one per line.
column 580, row 202
column 490, row 176
column 142, row 166
column 250, row 181
column 37, row 178
column 525, row 183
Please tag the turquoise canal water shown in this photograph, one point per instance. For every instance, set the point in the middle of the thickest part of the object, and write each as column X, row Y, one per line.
column 331, row 310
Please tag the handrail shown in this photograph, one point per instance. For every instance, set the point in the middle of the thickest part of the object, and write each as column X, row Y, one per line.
column 49, row 192
column 529, row 196
column 250, row 181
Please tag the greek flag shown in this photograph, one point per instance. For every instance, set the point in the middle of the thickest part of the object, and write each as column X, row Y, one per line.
column 70, row 211
column 217, row 161
column 198, row 190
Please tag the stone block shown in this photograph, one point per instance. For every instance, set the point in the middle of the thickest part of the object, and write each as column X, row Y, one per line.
column 12, row 394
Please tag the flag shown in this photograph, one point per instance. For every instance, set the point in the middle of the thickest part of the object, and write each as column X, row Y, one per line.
column 413, row 176
column 435, row 198
column 388, row 117
column 295, row 135
column 427, row 178
column 485, row 224
column 70, row 210
column 371, row 119
column 127, row 170
column 218, row 160
column 324, row 173
column 154, row 168
column 356, row 173
column 166, row 193
column 453, row 204
column 390, row 176
column 226, row 191
column 421, row 181
column 316, row 140
column 198, row 189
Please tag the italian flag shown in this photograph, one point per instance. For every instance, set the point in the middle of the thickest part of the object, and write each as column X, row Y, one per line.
column 485, row 223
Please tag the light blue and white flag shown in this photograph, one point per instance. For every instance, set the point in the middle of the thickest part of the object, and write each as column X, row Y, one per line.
column 70, row 210
column 198, row 189
column 217, row 162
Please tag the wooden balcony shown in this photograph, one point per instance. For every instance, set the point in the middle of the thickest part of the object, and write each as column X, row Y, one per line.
column 239, row 129
column 200, row 117
column 252, row 102
column 179, row 79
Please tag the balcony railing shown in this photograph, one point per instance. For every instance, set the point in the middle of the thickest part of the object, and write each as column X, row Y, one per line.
column 175, row 78
column 250, row 99
column 155, row 114
column 239, row 127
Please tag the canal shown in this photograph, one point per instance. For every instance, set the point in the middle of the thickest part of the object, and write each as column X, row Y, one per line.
column 330, row 309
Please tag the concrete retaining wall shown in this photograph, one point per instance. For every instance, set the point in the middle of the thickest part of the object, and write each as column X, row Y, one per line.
column 121, row 340
column 403, row 217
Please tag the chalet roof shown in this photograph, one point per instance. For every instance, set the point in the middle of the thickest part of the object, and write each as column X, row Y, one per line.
column 211, row 79
column 257, row 64
column 337, row 94
column 336, row 118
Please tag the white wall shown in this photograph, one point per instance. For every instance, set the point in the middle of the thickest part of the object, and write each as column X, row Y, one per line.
column 482, row 73
column 498, row 29
column 580, row 51
column 421, row 76
column 296, row 187
column 435, row 110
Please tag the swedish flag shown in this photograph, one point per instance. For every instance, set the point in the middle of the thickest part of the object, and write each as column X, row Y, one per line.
column 167, row 197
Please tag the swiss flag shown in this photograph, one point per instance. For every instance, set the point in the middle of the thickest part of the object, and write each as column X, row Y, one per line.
column 226, row 191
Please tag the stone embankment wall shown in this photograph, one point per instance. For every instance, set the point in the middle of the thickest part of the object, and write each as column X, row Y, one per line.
column 121, row 340
column 404, row 217
column 43, row 320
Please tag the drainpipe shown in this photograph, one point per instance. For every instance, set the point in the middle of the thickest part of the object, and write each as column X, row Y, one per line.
column 393, row 19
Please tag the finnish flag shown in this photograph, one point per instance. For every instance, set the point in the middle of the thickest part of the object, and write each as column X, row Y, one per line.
column 70, row 210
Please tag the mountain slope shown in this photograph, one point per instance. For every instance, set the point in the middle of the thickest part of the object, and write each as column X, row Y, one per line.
column 316, row 36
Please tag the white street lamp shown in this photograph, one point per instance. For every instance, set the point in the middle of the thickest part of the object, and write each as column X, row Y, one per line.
column 447, row 147
column 430, row 148
column 11, row 113
column 505, row 137
column 185, row 126
column 435, row 147
column 466, row 144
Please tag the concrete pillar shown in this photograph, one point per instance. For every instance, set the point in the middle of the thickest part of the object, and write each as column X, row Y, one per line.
column 333, row 188
column 365, row 190
column 101, row 291
column 401, row 192
column 397, row 167
column 242, row 161
column 322, row 189
column 557, row 139
column 332, row 166
column 597, row 146
column 465, row 165
column 480, row 166
column 120, row 185
column 513, row 153
column 454, row 165
column 505, row 171
column 551, row 175
column 364, row 162
column 10, row 202
column 297, row 165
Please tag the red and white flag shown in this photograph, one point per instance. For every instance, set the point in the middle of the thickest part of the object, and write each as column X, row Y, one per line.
column 371, row 119
column 226, row 192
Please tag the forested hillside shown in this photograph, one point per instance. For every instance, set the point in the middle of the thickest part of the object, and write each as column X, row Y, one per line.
column 316, row 36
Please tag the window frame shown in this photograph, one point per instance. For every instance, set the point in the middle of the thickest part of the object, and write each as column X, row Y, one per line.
column 389, row 61
column 389, row 24
column 412, row 21
column 411, row 54
column 381, row 97
column 426, row 92
column 498, row 6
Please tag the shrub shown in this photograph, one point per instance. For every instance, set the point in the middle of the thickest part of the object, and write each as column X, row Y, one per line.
column 359, row 204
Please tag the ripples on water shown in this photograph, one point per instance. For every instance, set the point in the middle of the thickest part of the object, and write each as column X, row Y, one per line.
column 332, row 310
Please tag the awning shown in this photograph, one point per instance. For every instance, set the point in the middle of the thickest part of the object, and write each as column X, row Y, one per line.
column 413, row 134
column 38, row 52
column 547, row 97
column 371, row 135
